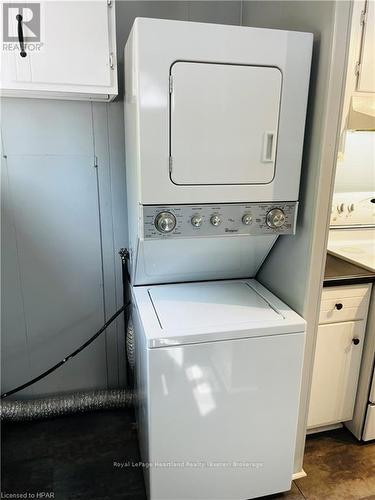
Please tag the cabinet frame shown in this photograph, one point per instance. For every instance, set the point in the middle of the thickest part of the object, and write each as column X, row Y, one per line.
column 74, row 91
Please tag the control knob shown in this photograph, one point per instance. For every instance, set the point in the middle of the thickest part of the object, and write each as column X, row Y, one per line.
column 197, row 220
column 340, row 208
column 215, row 220
column 247, row 219
column 165, row 222
column 275, row 218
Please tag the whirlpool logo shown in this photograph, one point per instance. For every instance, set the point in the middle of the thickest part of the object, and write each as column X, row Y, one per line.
column 21, row 27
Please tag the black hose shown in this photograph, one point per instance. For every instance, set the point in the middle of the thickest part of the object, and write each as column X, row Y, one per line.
column 67, row 358
column 125, row 279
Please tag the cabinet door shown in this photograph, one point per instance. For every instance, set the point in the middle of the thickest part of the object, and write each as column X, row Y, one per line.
column 335, row 374
column 366, row 77
column 14, row 68
column 75, row 58
column 76, row 44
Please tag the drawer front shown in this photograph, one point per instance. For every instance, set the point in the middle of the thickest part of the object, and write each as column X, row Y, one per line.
column 344, row 303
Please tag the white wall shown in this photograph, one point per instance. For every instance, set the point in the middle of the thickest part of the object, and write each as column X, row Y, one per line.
column 63, row 221
column 355, row 169
column 55, row 296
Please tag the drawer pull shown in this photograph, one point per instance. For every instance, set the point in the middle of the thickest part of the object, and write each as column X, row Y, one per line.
column 338, row 306
column 355, row 341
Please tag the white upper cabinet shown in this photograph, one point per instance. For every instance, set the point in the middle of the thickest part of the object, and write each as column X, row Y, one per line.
column 359, row 100
column 76, row 55
column 366, row 68
column 224, row 122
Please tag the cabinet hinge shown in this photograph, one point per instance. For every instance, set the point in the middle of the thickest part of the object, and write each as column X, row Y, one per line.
column 111, row 63
column 95, row 162
column 109, row 3
column 170, row 84
column 170, row 165
column 357, row 68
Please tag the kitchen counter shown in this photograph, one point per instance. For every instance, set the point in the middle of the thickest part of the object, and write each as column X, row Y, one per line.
column 340, row 272
column 356, row 245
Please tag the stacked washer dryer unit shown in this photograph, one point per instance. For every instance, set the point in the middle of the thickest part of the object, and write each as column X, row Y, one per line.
column 214, row 131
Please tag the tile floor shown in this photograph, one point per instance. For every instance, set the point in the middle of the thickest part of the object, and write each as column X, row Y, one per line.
column 73, row 458
column 338, row 467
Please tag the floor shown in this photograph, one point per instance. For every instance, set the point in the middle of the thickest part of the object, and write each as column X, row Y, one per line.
column 74, row 458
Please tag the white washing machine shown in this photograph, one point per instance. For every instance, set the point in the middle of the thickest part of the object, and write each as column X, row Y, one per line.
column 218, row 375
column 214, row 133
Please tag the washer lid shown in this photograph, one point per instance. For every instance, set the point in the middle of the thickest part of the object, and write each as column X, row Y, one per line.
column 210, row 304
column 210, row 311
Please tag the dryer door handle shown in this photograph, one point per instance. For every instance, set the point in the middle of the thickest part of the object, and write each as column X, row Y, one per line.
column 268, row 153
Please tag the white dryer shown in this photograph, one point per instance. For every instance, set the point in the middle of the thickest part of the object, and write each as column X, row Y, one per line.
column 214, row 124
column 214, row 127
column 218, row 377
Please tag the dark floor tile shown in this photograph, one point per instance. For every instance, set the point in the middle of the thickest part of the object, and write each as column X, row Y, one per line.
column 338, row 467
column 94, row 482
column 70, row 439
column 29, row 476
column 293, row 494
column 73, row 458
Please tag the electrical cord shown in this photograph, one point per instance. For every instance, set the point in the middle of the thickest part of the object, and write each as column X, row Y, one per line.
column 124, row 254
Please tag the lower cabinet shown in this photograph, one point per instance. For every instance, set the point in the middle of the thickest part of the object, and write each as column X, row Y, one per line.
column 338, row 354
column 336, row 368
column 369, row 428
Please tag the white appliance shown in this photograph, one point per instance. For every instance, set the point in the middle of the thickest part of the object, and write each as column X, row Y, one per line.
column 219, row 366
column 214, row 133
column 352, row 230
column 352, row 238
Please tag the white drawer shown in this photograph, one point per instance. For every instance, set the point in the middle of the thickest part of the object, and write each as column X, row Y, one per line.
column 344, row 303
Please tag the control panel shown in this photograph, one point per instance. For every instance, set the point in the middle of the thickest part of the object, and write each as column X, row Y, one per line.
column 353, row 209
column 189, row 221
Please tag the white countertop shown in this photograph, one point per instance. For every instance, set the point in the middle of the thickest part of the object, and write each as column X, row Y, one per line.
column 355, row 245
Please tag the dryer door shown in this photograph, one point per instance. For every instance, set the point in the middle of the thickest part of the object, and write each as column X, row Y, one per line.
column 223, row 123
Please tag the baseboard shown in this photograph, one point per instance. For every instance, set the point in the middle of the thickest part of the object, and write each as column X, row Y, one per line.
column 298, row 475
column 324, row 428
